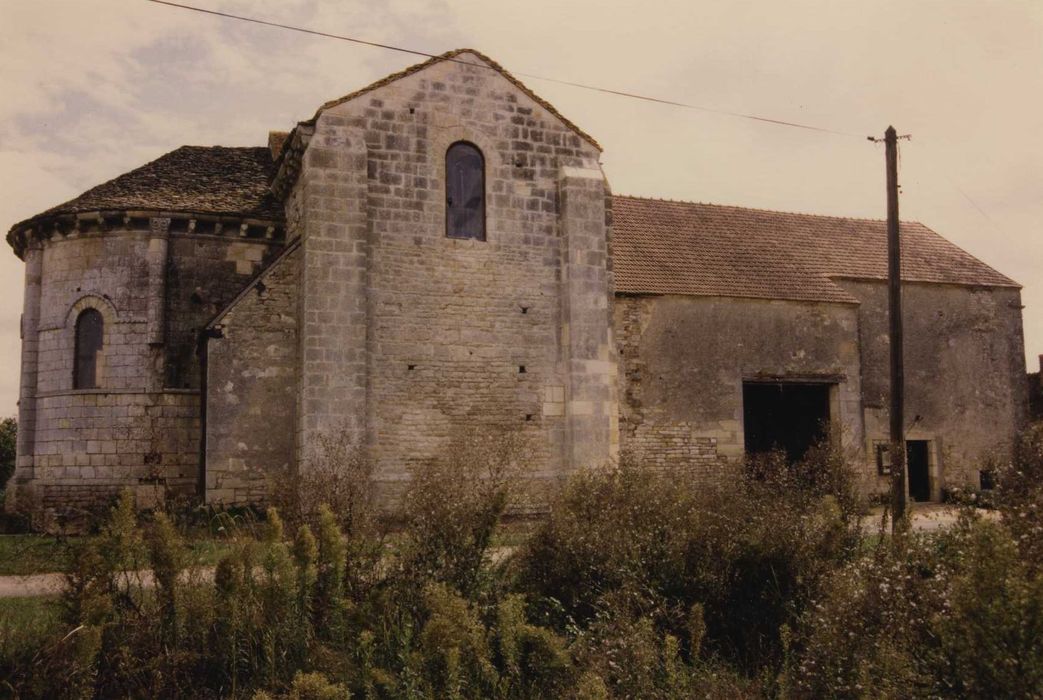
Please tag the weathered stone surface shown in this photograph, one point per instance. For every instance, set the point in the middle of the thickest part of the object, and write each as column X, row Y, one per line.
column 141, row 427
column 407, row 333
column 252, row 388
column 683, row 361
column 204, row 273
column 964, row 368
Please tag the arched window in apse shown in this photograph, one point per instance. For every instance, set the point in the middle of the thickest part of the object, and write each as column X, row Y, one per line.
column 90, row 337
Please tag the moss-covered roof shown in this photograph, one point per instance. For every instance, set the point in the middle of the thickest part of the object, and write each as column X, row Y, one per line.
column 192, row 179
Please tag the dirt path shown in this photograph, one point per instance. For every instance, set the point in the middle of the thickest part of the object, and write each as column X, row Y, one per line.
column 52, row 584
column 32, row 585
column 926, row 517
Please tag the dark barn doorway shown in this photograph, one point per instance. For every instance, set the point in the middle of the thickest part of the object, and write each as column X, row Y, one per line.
column 917, row 464
column 787, row 416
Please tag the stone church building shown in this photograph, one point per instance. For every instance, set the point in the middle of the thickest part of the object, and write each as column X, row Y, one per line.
column 441, row 250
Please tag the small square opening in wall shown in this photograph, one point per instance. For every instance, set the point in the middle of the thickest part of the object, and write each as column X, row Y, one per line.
column 410, row 367
column 525, row 309
column 528, row 417
column 521, row 369
column 883, row 458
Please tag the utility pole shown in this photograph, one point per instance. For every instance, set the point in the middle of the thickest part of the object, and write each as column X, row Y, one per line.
column 894, row 307
column 899, row 494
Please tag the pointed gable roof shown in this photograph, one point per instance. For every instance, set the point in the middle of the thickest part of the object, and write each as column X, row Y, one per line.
column 454, row 57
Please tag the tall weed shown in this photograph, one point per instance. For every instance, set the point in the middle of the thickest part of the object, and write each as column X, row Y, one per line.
column 642, row 544
column 957, row 614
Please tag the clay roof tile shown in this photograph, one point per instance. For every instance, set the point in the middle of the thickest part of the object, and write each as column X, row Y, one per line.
column 669, row 247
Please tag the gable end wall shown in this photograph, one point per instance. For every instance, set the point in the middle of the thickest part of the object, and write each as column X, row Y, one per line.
column 410, row 337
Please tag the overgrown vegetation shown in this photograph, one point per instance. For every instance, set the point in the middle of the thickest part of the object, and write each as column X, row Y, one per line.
column 958, row 614
column 637, row 584
column 8, row 441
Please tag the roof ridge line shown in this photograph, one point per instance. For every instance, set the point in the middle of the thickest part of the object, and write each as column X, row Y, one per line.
column 211, row 146
column 450, row 56
column 762, row 209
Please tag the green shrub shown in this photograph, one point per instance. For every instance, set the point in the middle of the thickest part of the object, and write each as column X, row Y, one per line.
column 1019, row 493
column 167, row 554
column 329, row 605
column 8, row 442
column 315, row 686
column 335, row 473
column 958, row 614
column 991, row 630
column 455, row 647
column 639, row 583
column 638, row 543
column 533, row 660
column 454, row 505
column 825, row 470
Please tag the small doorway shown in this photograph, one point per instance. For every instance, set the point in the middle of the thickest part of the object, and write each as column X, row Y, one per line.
column 787, row 416
column 918, row 469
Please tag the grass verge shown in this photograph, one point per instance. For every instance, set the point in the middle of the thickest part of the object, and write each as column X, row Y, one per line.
column 24, row 555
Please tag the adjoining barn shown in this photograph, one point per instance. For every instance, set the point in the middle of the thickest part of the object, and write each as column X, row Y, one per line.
column 441, row 250
column 740, row 330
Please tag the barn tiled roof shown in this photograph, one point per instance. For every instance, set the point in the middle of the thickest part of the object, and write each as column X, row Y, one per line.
column 668, row 247
column 191, row 179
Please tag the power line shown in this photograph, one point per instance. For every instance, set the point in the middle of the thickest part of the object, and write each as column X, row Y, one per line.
column 583, row 86
column 974, row 204
column 963, row 193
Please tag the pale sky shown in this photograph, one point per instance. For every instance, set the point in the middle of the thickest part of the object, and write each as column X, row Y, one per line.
column 94, row 88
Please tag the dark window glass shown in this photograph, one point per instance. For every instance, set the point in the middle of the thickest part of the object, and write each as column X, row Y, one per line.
column 90, row 332
column 464, row 192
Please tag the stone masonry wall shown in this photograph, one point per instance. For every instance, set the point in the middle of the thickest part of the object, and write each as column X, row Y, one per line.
column 252, row 389
column 24, row 463
column 204, row 274
column 964, row 369
column 118, row 438
column 80, row 446
column 683, row 361
column 108, row 272
column 409, row 336
column 331, row 196
column 591, row 401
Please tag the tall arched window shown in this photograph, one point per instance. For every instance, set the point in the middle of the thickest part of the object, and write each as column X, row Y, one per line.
column 464, row 191
column 90, row 336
